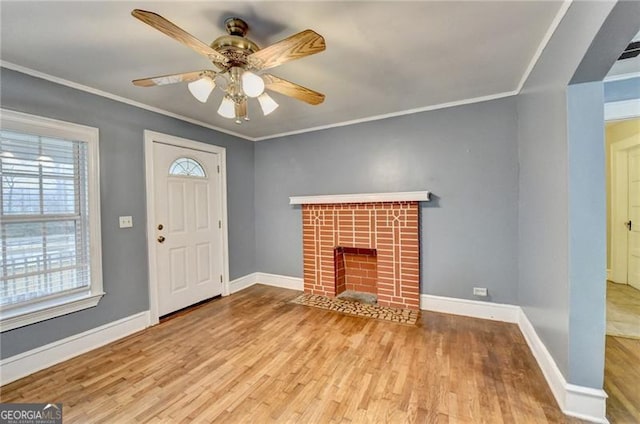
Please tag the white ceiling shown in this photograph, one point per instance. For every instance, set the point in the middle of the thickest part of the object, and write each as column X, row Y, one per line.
column 383, row 57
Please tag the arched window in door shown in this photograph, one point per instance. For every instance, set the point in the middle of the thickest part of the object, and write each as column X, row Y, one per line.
column 186, row 167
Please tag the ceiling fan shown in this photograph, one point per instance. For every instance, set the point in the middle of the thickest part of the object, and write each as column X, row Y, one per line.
column 238, row 60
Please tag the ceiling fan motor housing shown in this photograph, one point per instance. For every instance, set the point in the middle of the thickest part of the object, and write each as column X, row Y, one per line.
column 235, row 46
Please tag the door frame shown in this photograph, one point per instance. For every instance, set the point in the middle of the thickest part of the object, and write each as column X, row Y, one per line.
column 149, row 138
column 619, row 111
column 619, row 209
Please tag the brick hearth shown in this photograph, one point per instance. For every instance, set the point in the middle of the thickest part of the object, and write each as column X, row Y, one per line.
column 391, row 228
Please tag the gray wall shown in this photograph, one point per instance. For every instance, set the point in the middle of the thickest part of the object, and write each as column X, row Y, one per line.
column 587, row 234
column 465, row 155
column 615, row 91
column 561, row 243
column 124, row 251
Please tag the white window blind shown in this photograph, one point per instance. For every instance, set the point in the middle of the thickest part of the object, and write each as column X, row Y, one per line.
column 45, row 218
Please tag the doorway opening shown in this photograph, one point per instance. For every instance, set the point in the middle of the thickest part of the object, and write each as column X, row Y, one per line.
column 622, row 347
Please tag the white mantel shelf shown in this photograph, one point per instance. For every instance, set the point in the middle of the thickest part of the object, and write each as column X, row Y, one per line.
column 401, row 196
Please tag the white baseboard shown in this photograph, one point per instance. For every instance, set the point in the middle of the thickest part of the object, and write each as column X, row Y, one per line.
column 547, row 365
column 242, row 282
column 275, row 280
column 283, row 281
column 577, row 401
column 470, row 308
column 23, row 364
column 586, row 403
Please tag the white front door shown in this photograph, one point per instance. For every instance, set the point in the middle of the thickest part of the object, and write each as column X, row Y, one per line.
column 188, row 234
column 633, row 225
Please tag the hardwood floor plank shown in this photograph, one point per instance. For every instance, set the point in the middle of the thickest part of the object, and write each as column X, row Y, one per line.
column 622, row 379
column 254, row 357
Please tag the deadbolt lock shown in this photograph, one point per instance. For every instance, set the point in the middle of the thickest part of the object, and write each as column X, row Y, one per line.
column 160, row 226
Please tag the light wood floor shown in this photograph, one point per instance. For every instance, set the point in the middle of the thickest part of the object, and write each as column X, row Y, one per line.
column 623, row 310
column 622, row 380
column 254, row 358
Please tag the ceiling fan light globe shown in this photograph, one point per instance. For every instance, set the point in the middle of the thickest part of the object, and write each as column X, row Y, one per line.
column 202, row 88
column 227, row 108
column 267, row 104
column 252, row 84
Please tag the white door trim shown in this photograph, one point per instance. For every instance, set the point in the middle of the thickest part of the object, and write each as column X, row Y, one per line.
column 619, row 209
column 149, row 138
column 615, row 111
column 624, row 109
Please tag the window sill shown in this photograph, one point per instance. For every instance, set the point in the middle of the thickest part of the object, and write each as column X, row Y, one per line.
column 30, row 314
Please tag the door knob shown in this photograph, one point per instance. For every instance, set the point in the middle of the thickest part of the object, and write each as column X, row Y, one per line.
column 628, row 224
column 161, row 239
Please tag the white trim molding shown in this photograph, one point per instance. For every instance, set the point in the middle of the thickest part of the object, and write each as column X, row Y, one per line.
column 274, row 280
column 400, row 196
column 543, row 43
column 619, row 189
column 282, row 281
column 624, row 109
column 439, row 106
column 24, row 364
column 577, row 401
column 242, row 283
column 41, row 311
column 470, row 308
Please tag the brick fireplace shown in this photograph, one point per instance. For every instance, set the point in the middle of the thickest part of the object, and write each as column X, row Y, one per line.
column 366, row 243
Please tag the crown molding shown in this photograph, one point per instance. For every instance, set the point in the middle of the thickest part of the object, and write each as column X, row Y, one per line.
column 393, row 114
column 111, row 96
column 543, row 44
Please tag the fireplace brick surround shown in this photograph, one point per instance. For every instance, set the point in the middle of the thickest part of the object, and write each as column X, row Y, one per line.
column 385, row 234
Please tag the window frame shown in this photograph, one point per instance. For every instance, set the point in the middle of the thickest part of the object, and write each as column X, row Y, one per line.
column 37, row 310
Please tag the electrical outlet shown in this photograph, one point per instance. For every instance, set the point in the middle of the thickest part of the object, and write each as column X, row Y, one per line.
column 126, row 222
column 480, row 291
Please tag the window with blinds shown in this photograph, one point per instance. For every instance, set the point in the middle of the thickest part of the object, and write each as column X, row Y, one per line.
column 46, row 216
column 45, row 243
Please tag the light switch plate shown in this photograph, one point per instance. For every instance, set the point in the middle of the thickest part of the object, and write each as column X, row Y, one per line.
column 126, row 222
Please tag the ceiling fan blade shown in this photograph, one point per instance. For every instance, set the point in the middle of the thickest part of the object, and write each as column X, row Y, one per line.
column 299, row 45
column 172, row 78
column 290, row 89
column 169, row 28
